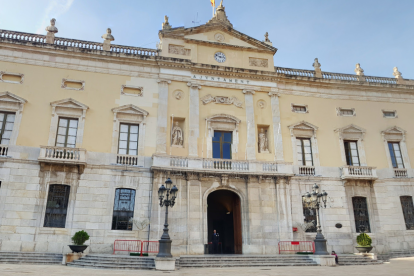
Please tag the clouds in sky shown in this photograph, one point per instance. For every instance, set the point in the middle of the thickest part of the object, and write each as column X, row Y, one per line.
column 54, row 9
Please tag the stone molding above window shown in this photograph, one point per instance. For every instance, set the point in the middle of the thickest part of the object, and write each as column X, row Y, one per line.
column 130, row 114
column 396, row 134
column 66, row 81
column 222, row 122
column 352, row 133
column 346, row 112
column 3, row 73
column 68, row 108
column 139, row 89
column 300, row 108
column 10, row 102
column 304, row 129
column 389, row 114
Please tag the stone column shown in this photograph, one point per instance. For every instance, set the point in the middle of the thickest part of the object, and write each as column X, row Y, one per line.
column 162, row 116
column 195, row 244
column 284, row 210
column 251, row 126
column 194, row 119
column 277, row 129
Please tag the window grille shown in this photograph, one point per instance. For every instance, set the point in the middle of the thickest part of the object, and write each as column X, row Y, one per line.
column 6, row 125
column 361, row 214
column 66, row 136
column 222, row 144
column 351, row 153
column 346, row 112
column 395, row 154
column 389, row 114
column 128, row 139
column 56, row 206
column 304, row 150
column 299, row 108
column 123, row 209
column 408, row 211
column 309, row 219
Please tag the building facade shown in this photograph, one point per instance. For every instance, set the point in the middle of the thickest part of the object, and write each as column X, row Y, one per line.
column 89, row 132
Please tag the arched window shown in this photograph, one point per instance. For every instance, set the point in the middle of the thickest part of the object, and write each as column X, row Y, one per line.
column 361, row 214
column 309, row 215
column 57, row 206
column 123, row 209
column 408, row 211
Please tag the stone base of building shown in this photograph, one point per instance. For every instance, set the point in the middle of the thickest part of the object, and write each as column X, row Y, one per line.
column 165, row 264
column 323, row 260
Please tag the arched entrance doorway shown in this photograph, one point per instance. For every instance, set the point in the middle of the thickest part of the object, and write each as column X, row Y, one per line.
column 224, row 215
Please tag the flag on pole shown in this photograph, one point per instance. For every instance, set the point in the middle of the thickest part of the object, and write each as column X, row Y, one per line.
column 213, row 3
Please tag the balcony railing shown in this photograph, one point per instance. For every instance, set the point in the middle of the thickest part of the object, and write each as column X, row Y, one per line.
column 307, row 171
column 359, row 172
column 130, row 160
column 400, row 173
column 61, row 155
column 225, row 164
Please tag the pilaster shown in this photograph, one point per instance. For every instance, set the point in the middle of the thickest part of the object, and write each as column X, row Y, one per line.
column 194, row 119
column 284, row 210
column 162, row 120
column 277, row 130
column 251, row 126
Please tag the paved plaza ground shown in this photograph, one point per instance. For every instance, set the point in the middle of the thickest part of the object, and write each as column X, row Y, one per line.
column 403, row 266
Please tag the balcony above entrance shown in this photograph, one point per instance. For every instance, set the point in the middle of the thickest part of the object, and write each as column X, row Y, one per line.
column 359, row 173
column 63, row 156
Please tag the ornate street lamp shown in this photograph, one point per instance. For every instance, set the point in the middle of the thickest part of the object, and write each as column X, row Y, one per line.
column 166, row 191
column 315, row 200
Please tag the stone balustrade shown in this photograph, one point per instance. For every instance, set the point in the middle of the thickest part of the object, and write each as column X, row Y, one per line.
column 124, row 159
column 5, row 34
column 337, row 76
column 400, row 173
column 77, row 43
column 380, row 80
column 61, row 155
column 306, row 170
column 359, row 172
column 295, row 72
column 221, row 165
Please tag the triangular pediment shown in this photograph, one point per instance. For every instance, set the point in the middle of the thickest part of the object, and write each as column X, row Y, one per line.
column 69, row 103
column 394, row 130
column 304, row 126
column 10, row 97
column 351, row 129
column 130, row 109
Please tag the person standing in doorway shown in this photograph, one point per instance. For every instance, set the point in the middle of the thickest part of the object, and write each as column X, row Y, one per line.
column 215, row 241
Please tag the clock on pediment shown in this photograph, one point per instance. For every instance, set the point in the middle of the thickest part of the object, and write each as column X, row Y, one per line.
column 220, row 57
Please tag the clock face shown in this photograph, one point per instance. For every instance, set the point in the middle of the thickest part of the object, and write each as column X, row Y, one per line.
column 220, row 57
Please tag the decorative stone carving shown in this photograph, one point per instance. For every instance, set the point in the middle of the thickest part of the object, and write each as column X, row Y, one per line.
column 267, row 37
column 64, row 84
column 12, row 74
column 219, row 37
column 178, row 94
column 258, row 62
column 178, row 50
column 108, row 37
column 263, row 142
column 261, row 104
column 51, row 30
column 397, row 74
column 317, row 66
column 220, row 16
column 222, row 100
column 358, row 70
column 139, row 89
column 166, row 25
column 177, row 137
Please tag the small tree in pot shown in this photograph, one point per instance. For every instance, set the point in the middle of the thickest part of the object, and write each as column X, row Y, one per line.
column 79, row 239
column 364, row 242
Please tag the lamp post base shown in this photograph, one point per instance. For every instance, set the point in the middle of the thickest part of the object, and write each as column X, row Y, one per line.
column 320, row 245
column 164, row 249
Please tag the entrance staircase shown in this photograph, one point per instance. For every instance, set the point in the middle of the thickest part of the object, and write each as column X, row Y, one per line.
column 201, row 261
column 396, row 254
column 356, row 260
column 114, row 262
column 30, row 258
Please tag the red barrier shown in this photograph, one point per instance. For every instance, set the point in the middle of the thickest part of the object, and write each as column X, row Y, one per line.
column 296, row 246
column 136, row 246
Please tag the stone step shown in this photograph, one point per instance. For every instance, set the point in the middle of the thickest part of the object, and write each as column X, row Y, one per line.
column 237, row 263
column 43, row 262
column 30, row 258
column 245, row 265
column 115, row 263
column 98, row 266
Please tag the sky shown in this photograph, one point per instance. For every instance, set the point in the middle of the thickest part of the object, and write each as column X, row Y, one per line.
column 378, row 34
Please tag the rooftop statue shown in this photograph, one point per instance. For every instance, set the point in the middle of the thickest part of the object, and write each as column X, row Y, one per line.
column 358, row 70
column 108, row 35
column 52, row 28
column 316, row 64
column 267, row 37
column 397, row 74
column 166, row 25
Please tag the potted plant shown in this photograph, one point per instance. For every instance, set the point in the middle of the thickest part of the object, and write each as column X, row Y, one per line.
column 79, row 239
column 364, row 243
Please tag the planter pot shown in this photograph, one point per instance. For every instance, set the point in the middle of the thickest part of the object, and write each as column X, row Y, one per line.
column 77, row 248
column 363, row 249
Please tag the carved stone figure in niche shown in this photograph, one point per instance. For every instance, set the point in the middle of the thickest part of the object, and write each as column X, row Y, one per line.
column 177, row 135
column 263, row 143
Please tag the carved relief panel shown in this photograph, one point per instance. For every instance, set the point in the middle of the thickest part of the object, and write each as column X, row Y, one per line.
column 178, row 50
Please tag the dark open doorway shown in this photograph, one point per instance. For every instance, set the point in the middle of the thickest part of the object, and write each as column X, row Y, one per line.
column 224, row 215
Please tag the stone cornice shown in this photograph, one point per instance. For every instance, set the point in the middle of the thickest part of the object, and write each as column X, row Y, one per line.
column 226, row 46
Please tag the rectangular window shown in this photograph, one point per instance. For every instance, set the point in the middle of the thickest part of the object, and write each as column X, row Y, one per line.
column 346, row 112
column 351, row 153
column 361, row 214
column 222, row 144
column 6, row 124
column 299, row 108
column 395, row 154
column 389, row 114
column 408, row 211
column 128, row 139
column 304, row 150
column 67, row 130
column 57, row 205
column 123, row 209
column 309, row 219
